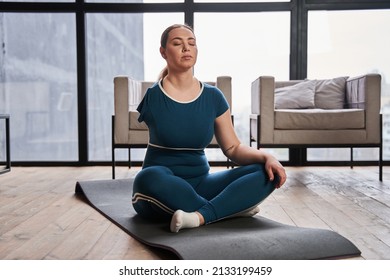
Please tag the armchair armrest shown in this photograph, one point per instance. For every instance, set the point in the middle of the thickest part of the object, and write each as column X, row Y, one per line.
column 364, row 92
column 224, row 83
column 263, row 103
column 127, row 94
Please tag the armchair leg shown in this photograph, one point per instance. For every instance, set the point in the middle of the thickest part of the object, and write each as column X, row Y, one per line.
column 129, row 157
column 113, row 163
column 351, row 157
column 380, row 148
column 113, row 146
column 380, row 164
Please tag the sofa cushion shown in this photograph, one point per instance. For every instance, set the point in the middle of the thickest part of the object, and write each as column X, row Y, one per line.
column 319, row 119
column 330, row 93
column 298, row 96
column 134, row 123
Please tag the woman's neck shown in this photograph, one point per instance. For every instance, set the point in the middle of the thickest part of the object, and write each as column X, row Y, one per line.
column 183, row 87
column 180, row 80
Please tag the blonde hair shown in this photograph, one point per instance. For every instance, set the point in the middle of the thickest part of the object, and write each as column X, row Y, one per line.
column 164, row 40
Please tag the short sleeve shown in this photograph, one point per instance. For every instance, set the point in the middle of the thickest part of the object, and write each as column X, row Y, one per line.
column 221, row 103
column 142, row 108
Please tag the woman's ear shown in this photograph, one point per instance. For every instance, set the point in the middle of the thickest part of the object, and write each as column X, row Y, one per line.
column 162, row 52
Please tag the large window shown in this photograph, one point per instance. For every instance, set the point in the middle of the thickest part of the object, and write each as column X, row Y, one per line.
column 119, row 44
column 38, row 85
column 351, row 43
column 243, row 46
column 58, row 59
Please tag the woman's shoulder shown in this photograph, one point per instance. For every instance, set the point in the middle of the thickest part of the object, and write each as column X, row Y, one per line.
column 208, row 86
column 216, row 96
column 212, row 90
column 155, row 88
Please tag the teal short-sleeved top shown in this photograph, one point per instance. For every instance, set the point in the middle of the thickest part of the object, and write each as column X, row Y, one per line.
column 179, row 131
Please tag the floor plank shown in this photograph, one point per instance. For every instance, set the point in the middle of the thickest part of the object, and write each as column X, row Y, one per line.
column 41, row 218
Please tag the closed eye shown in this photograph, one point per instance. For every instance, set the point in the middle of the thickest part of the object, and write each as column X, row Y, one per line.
column 178, row 41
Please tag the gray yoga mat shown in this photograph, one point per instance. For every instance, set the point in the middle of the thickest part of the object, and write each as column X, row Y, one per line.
column 237, row 238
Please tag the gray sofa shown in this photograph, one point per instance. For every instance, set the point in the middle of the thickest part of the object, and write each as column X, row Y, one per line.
column 339, row 112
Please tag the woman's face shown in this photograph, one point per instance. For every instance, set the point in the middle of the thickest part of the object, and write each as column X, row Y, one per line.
column 181, row 51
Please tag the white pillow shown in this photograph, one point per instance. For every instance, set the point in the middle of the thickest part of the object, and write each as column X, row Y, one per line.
column 298, row 96
column 330, row 94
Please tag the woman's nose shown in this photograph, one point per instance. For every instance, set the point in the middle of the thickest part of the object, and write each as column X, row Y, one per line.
column 186, row 47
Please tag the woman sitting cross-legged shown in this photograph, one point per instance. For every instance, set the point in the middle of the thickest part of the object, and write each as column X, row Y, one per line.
column 182, row 115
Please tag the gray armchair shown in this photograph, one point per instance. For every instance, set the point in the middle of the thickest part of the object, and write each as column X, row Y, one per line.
column 339, row 112
column 127, row 132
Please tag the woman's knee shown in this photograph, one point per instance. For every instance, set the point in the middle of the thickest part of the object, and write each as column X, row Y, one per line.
column 146, row 190
column 251, row 168
column 261, row 180
column 150, row 211
column 148, row 177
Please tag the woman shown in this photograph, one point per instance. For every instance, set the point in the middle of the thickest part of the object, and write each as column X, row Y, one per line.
column 183, row 114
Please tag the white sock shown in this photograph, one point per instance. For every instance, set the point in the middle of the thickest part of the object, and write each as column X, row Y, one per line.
column 181, row 219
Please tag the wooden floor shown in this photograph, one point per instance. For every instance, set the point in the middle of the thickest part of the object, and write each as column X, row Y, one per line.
column 41, row 218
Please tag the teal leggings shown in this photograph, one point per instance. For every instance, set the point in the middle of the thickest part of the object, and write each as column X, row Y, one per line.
column 158, row 193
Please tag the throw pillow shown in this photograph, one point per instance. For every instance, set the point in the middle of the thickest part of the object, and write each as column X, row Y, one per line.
column 298, row 96
column 330, row 94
